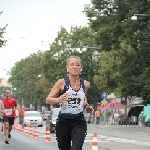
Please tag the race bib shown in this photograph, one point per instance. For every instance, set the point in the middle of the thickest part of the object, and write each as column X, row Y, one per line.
column 76, row 100
column 8, row 111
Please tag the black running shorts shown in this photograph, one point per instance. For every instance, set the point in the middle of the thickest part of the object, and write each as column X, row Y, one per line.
column 9, row 120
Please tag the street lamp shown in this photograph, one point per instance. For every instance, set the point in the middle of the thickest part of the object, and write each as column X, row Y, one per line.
column 40, row 75
column 136, row 16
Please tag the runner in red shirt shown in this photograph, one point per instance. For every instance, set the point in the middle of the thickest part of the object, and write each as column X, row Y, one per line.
column 10, row 105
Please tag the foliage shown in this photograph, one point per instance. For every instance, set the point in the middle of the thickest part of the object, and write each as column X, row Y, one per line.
column 112, row 23
column 109, row 78
column 66, row 44
column 24, row 77
column 2, row 31
column 121, row 63
column 2, row 91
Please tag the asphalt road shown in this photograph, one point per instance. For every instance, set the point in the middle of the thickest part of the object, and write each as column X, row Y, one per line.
column 109, row 138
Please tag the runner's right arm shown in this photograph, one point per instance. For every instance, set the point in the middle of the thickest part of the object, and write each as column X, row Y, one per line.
column 2, row 108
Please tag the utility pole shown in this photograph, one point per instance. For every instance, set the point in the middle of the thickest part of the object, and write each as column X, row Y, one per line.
column 135, row 16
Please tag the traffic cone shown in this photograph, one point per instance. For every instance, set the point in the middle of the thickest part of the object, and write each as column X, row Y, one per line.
column 14, row 126
column 48, row 138
column 21, row 128
column 35, row 135
column 26, row 130
column 95, row 137
column 30, row 131
column 17, row 127
column 95, row 143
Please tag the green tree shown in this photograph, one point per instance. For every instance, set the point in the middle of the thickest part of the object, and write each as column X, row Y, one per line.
column 113, row 25
column 24, row 77
column 109, row 78
column 2, row 91
column 2, row 31
column 66, row 44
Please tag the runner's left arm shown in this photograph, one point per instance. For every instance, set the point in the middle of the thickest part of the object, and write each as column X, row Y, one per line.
column 15, row 105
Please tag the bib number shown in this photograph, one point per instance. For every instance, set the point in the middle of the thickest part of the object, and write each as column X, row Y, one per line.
column 8, row 111
column 76, row 100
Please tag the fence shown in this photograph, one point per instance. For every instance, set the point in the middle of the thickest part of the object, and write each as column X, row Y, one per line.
column 124, row 122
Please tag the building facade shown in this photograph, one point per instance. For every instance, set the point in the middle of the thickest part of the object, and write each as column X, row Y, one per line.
column 4, row 82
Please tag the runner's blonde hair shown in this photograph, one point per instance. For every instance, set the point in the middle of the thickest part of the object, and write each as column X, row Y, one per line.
column 73, row 57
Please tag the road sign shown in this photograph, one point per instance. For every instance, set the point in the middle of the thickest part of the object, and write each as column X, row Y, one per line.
column 104, row 95
column 111, row 105
column 104, row 102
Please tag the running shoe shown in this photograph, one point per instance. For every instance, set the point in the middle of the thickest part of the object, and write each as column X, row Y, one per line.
column 9, row 136
column 7, row 142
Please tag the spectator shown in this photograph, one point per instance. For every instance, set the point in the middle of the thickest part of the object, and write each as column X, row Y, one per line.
column 116, row 117
column 97, row 116
column 141, row 118
column 21, row 115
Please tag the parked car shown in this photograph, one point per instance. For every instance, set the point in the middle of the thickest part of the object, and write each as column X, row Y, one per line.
column 33, row 118
column 45, row 115
column 53, row 117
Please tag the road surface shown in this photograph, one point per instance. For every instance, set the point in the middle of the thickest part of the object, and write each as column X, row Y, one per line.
column 108, row 137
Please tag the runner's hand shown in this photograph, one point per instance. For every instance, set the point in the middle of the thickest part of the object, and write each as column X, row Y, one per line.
column 64, row 98
column 89, row 109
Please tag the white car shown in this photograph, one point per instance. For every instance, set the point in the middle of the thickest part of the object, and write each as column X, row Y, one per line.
column 33, row 118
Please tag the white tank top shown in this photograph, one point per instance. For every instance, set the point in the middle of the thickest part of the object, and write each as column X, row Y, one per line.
column 74, row 107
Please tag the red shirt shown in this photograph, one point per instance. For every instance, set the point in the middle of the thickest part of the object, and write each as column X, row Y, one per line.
column 9, row 105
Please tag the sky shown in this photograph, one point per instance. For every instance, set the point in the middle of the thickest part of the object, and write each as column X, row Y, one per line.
column 33, row 25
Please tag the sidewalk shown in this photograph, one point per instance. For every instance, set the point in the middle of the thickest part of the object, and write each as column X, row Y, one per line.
column 123, row 126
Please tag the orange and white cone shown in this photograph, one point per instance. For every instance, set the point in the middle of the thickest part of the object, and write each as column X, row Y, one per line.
column 26, row 130
column 48, row 136
column 95, row 143
column 35, row 134
column 21, row 128
column 16, row 127
column 30, row 131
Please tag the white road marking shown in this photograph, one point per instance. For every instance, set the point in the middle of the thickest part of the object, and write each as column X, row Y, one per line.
column 89, row 138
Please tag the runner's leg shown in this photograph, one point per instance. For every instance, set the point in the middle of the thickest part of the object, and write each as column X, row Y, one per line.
column 6, row 129
column 11, row 122
column 63, row 134
column 78, row 134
